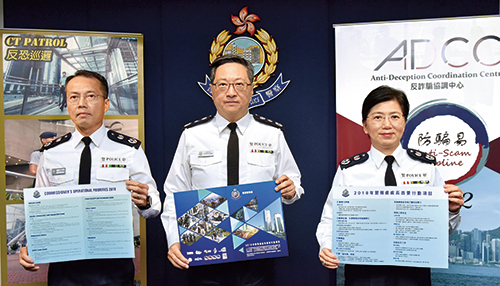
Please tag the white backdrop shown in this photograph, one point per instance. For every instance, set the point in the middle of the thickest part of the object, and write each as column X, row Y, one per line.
column 450, row 71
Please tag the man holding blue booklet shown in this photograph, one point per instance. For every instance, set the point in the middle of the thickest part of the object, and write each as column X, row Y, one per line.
column 233, row 147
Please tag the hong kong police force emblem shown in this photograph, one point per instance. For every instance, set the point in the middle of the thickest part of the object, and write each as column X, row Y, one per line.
column 260, row 49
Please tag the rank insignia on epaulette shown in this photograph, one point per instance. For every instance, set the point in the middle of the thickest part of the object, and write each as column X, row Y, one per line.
column 354, row 160
column 269, row 122
column 421, row 156
column 198, row 122
column 57, row 141
column 124, row 139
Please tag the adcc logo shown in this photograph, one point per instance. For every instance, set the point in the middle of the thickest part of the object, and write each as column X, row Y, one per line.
column 400, row 52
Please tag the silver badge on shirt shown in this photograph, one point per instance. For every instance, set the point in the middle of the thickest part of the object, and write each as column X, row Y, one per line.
column 203, row 154
column 58, row 171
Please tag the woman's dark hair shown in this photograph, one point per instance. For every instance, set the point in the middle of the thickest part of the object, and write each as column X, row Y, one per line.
column 385, row 93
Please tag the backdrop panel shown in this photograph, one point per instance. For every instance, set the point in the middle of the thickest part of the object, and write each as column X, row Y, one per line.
column 33, row 101
column 449, row 70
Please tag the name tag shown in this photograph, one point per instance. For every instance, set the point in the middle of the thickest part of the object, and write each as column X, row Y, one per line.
column 58, row 171
column 209, row 153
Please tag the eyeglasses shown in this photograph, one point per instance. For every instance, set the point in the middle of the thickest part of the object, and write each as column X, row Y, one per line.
column 90, row 98
column 395, row 118
column 238, row 86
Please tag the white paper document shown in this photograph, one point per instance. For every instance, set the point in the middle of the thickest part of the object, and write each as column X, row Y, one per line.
column 79, row 222
column 402, row 226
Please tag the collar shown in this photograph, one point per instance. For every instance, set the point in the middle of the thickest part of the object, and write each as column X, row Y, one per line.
column 96, row 137
column 243, row 123
column 378, row 157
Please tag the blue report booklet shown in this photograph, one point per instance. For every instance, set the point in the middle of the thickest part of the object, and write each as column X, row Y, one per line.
column 231, row 223
column 79, row 222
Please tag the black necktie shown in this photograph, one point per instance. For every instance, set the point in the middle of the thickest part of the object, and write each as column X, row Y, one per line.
column 390, row 179
column 233, row 157
column 85, row 162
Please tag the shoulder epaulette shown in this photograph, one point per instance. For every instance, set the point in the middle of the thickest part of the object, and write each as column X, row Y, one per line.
column 56, row 142
column 199, row 121
column 124, row 139
column 269, row 122
column 421, row 156
column 354, row 160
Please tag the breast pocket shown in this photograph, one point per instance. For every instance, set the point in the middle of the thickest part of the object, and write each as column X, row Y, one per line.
column 112, row 174
column 203, row 169
column 262, row 165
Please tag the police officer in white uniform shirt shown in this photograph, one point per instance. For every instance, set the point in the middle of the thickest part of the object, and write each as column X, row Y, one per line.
column 385, row 112
column 201, row 162
column 114, row 158
column 45, row 137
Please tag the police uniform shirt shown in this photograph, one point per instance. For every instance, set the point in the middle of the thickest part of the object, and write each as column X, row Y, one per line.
column 372, row 173
column 111, row 162
column 200, row 161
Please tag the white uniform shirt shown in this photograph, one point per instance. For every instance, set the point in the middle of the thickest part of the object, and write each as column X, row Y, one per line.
column 35, row 157
column 60, row 165
column 200, row 161
column 372, row 173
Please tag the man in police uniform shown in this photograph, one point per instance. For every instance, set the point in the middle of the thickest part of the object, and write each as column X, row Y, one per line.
column 114, row 158
column 201, row 162
column 385, row 111
column 45, row 137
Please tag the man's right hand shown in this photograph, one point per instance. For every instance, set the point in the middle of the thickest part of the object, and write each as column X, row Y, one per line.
column 176, row 258
column 26, row 261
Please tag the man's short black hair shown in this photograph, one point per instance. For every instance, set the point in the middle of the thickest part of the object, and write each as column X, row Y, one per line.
column 91, row 74
column 385, row 93
column 231, row 59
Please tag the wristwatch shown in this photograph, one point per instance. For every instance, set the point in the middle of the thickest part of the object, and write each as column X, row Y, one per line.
column 148, row 204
